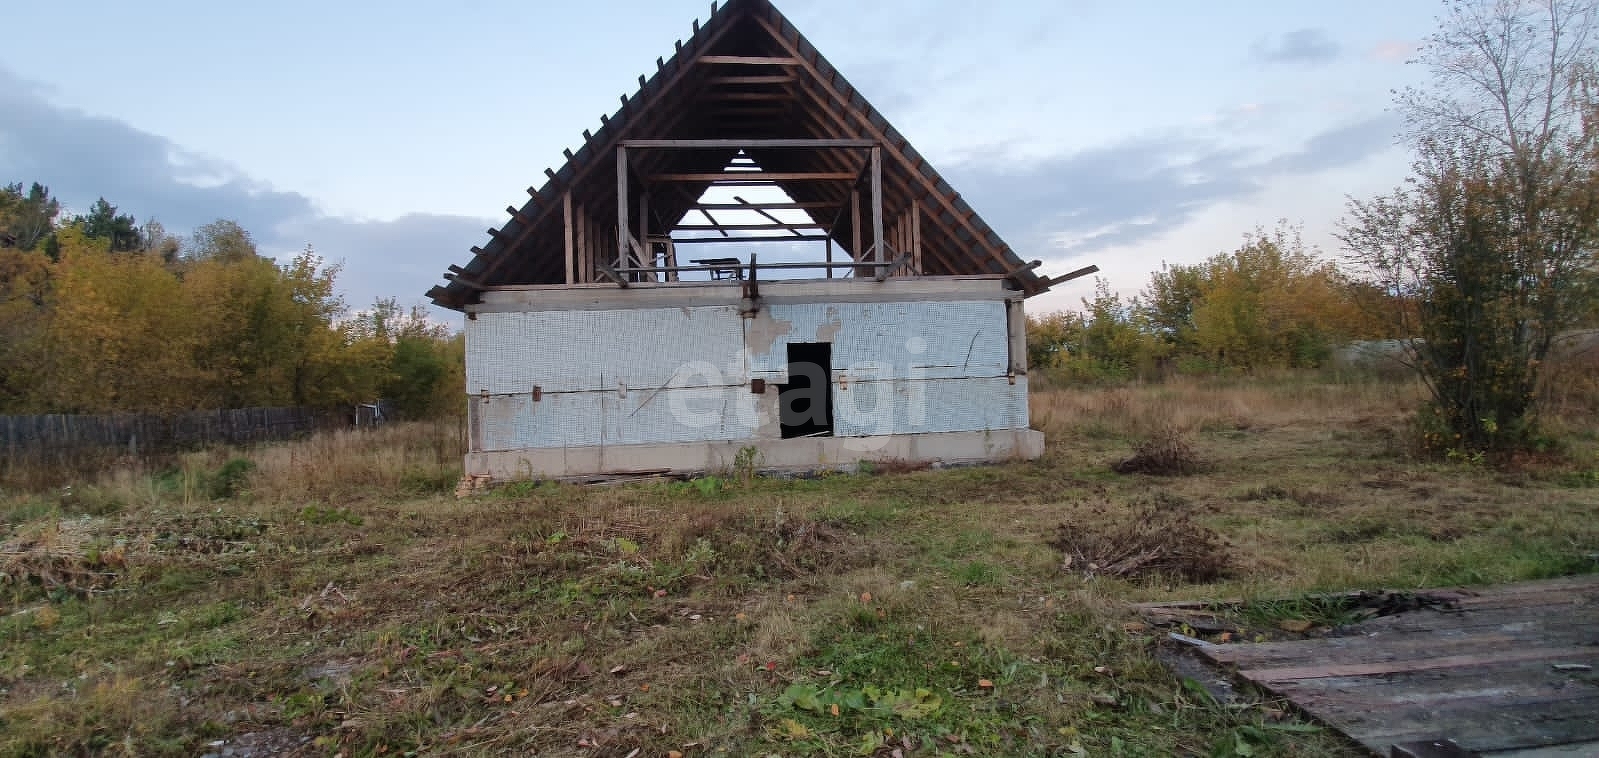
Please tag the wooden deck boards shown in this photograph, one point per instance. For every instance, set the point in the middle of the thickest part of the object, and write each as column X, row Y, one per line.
column 1504, row 671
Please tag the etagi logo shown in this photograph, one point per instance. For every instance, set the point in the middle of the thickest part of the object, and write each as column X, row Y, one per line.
column 861, row 402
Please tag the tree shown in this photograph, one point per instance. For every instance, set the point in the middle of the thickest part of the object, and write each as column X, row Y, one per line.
column 119, row 337
column 1488, row 253
column 153, row 239
column 221, row 240
column 31, row 217
column 1169, row 302
column 1271, row 303
column 25, row 297
column 103, row 222
column 416, row 362
column 1109, row 340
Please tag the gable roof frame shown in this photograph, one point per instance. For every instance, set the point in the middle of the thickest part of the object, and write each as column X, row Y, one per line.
column 816, row 100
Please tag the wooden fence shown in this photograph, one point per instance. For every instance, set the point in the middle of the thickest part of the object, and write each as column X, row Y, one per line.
column 73, row 441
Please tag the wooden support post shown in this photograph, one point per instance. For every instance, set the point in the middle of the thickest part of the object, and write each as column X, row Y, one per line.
column 622, row 232
column 647, row 254
column 830, row 256
column 877, row 203
column 671, row 259
column 916, row 237
column 566, row 215
column 855, row 250
column 585, row 267
column 901, row 228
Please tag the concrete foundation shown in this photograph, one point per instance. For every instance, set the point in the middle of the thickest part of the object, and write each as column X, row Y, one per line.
column 806, row 454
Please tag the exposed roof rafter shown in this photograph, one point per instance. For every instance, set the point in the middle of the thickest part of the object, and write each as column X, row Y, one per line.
column 746, row 90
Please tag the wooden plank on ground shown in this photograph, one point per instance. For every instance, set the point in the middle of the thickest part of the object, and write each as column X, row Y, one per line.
column 1519, row 682
column 1499, row 726
column 1320, row 670
column 1505, row 671
column 1571, row 750
column 1397, row 646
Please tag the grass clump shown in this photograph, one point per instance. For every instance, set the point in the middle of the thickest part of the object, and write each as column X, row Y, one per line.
column 1164, row 452
column 1153, row 541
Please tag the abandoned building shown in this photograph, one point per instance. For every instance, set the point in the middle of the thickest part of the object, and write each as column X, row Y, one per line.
column 745, row 265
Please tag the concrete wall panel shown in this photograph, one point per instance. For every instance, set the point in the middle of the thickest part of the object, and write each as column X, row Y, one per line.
column 569, row 351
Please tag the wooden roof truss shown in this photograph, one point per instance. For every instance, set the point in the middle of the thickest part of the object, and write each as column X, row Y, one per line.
column 746, row 101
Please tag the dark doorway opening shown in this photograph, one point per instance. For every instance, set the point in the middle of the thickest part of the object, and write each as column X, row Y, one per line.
column 805, row 404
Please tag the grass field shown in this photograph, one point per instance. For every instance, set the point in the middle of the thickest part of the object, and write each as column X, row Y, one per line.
column 336, row 597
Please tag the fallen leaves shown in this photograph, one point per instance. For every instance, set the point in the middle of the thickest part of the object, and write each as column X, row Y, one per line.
column 1296, row 626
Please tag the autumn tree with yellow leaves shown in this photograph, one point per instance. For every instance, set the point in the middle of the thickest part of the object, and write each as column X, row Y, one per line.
column 128, row 320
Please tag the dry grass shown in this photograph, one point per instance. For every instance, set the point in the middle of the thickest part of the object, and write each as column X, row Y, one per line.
column 343, row 601
column 1165, row 452
column 60, row 554
column 1190, row 405
column 1159, row 541
column 416, row 457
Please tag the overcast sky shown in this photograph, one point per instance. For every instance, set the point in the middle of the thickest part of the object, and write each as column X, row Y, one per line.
column 391, row 135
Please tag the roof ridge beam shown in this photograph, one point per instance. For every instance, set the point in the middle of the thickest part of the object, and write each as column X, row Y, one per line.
column 738, row 144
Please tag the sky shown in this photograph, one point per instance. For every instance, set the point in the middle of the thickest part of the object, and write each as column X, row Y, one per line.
column 390, row 136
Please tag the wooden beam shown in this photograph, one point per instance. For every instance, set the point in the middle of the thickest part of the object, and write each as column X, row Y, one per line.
column 473, row 283
column 1022, row 269
column 571, row 258
column 877, row 205
column 778, row 226
column 622, row 233
column 646, row 256
column 671, row 260
column 748, row 60
column 746, row 97
column 737, row 144
column 708, row 240
column 717, row 80
column 748, row 206
column 716, row 224
column 749, row 110
column 744, row 176
column 1078, row 274
column 747, row 182
column 611, row 273
column 883, row 272
column 585, row 265
column 916, row 237
column 855, row 251
column 778, row 221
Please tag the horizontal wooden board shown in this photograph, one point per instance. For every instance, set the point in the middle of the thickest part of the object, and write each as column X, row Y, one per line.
column 1502, row 671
